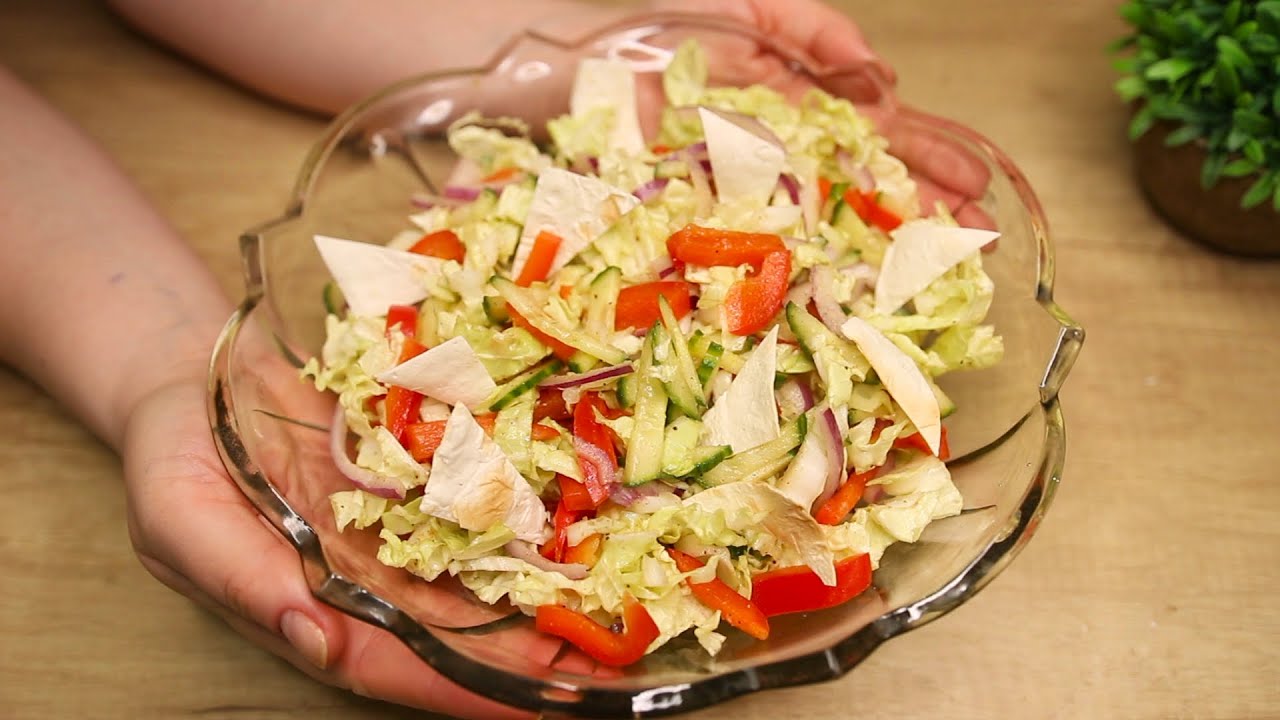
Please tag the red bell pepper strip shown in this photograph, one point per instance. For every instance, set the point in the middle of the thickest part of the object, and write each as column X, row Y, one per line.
column 443, row 244
column 737, row 610
column 538, row 265
column 594, row 446
column 711, row 246
column 638, row 304
column 551, row 404
column 915, row 441
column 586, row 552
column 422, row 439
column 841, row 503
column 574, row 495
column 867, row 206
column 544, row 432
column 500, row 175
column 559, row 349
column 404, row 317
column 554, row 548
column 824, row 188
column 402, row 403
column 754, row 301
column 598, row 641
column 798, row 589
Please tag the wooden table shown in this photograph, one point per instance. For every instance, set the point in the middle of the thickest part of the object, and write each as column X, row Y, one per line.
column 1150, row 591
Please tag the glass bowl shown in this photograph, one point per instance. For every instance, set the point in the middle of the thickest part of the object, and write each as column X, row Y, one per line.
column 1008, row 438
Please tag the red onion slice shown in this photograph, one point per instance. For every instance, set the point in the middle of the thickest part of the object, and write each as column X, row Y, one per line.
column 596, row 457
column 703, row 199
column 818, row 467
column 791, row 185
column 833, row 447
column 650, row 190
column 626, row 495
column 858, row 173
column 521, row 550
column 426, row 202
column 697, row 151
column 794, row 397
column 824, row 298
column 457, row 192
column 560, row 382
column 366, row 480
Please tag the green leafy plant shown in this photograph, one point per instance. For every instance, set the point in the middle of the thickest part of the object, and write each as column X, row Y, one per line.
column 1212, row 68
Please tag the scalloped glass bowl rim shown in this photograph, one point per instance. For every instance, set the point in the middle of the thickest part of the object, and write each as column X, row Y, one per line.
column 351, row 598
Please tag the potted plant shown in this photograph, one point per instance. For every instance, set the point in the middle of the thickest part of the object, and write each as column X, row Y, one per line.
column 1204, row 80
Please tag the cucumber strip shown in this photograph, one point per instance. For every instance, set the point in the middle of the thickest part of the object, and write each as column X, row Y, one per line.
column 333, row 300
column 581, row 362
column 602, row 302
column 709, row 363
column 707, row 353
column 685, row 372
column 816, row 339
column 526, row 381
column 834, row 203
column 706, row 457
column 682, row 456
column 644, row 448
column 671, row 169
column 529, row 304
column 761, row 461
column 626, row 390
column 793, row 360
column 732, row 361
column 495, row 308
column 665, row 367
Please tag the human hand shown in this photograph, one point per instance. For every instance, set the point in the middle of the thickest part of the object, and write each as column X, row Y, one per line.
column 195, row 531
column 943, row 170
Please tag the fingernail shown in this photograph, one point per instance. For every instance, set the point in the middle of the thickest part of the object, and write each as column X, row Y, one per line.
column 306, row 637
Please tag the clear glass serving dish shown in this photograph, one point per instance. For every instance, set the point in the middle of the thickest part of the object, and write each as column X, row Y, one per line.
column 1008, row 438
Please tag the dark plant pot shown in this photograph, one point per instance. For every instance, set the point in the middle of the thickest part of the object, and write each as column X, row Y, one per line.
column 1170, row 177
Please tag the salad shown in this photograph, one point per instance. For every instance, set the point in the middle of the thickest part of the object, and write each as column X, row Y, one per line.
column 641, row 388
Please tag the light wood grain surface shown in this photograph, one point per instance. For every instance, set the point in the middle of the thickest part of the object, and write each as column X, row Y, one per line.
column 1150, row 591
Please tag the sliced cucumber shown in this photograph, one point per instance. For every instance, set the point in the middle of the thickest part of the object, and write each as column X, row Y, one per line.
column 333, row 300
column 761, row 461
column 482, row 207
column 602, row 301
column 495, row 309
column 671, row 169
column 529, row 303
column 665, row 368
column 626, row 389
column 834, row 202
column 844, row 219
column 793, row 360
column 709, row 363
column 685, row 374
column 682, row 456
column 644, row 448
column 526, row 381
column 817, row 339
column 706, row 457
column 581, row 362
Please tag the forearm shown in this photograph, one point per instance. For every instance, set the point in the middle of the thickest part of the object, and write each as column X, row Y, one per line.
column 326, row 55
column 100, row 301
